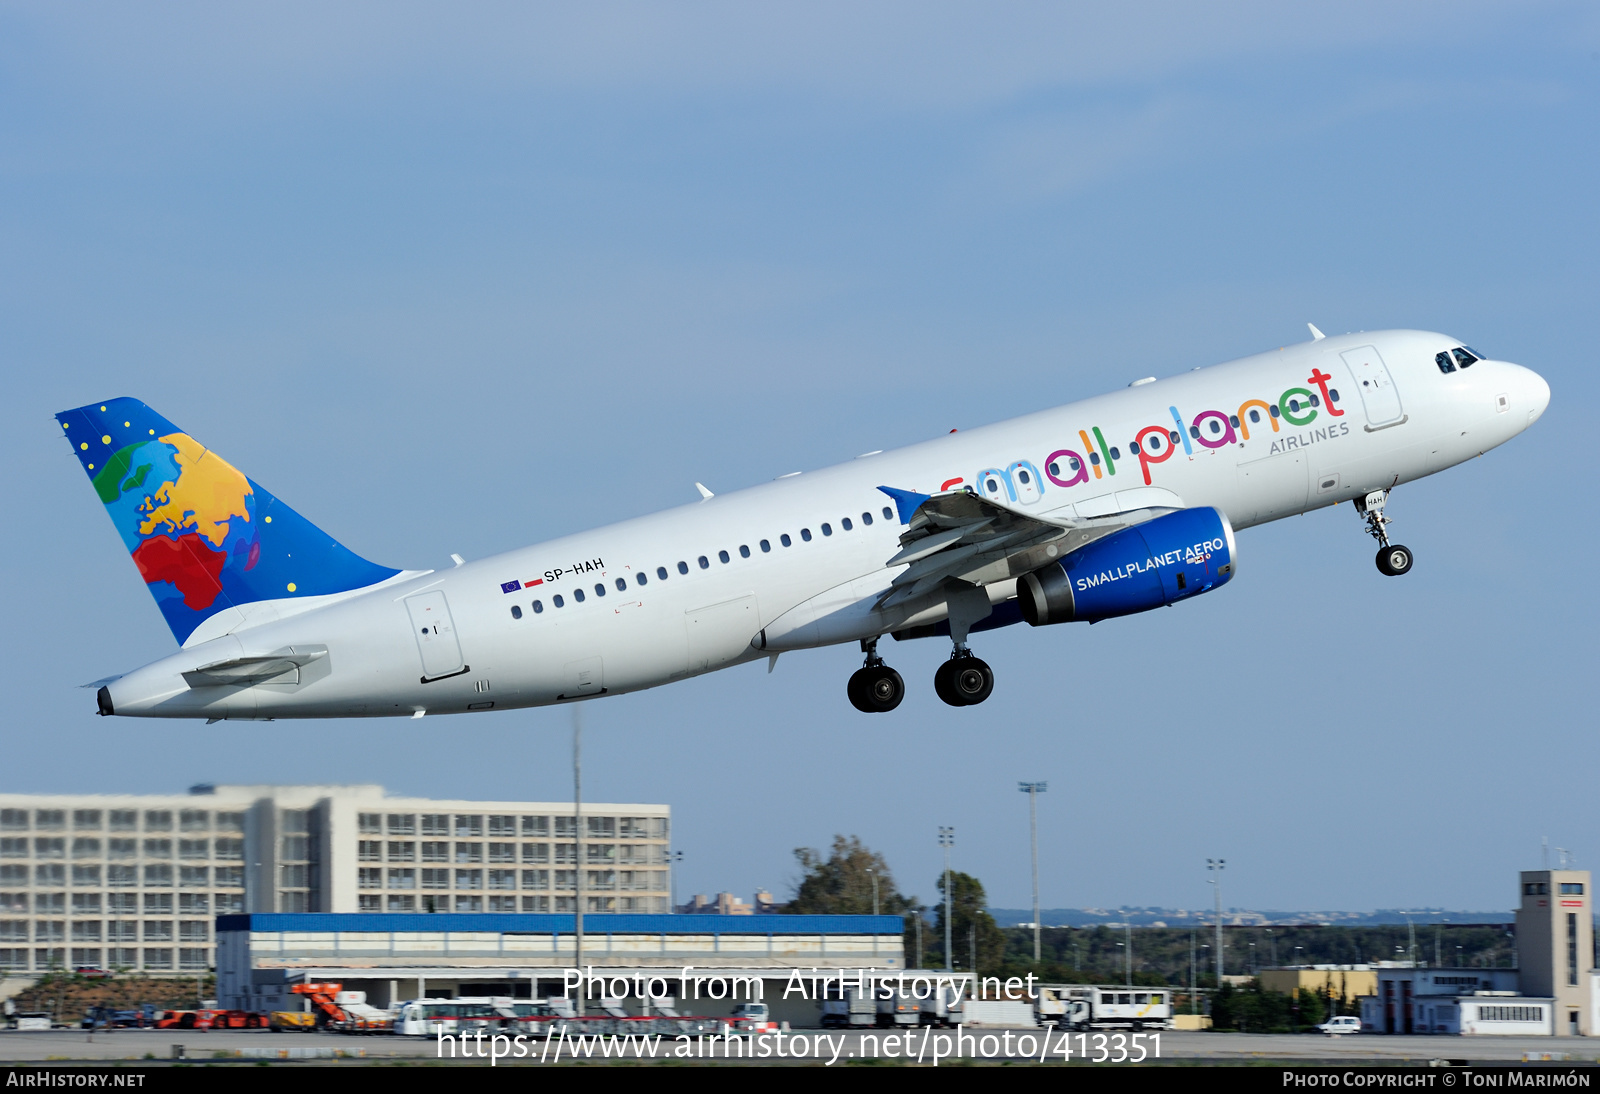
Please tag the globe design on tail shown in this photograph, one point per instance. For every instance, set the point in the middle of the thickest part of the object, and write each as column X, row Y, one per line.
column 204, row 537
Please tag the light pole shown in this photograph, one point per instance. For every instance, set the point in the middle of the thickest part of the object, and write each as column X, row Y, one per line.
column 947, row 839
column 1193, row 998
column 1033, row 790
column 873, row 874
column 1214, row 867
column 1127, row 933
column 674, row 860
column 577, row 844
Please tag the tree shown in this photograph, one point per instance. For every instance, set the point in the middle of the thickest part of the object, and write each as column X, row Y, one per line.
column 969, row 919
column 841, row 884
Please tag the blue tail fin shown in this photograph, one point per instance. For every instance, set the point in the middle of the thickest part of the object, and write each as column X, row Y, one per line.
column 204, row 537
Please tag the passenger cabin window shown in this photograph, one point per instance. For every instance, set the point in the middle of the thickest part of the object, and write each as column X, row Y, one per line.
column 1255, row 415
column 661, row 573
column 766, row 547
column 705, row 563
column 577, row 594
column 866, row 518
column 827, row 529
column 888, row 514
column 1443, row 360
column 785, row 540
column 805, row 534
column 744, row 550
column 538, row 606
column 641, row 578
column 599, row 589
column 846, row 525
column 1094, row 457
column 622, row 583
column 723, row 555
column 557, row 601
column 516, row 611
column 1116, row 453
column 683, row 567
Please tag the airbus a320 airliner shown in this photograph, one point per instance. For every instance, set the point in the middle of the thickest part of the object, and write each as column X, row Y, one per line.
column 1102, row 508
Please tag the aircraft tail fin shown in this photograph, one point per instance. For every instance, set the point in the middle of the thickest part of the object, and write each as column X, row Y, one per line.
column 204, row 537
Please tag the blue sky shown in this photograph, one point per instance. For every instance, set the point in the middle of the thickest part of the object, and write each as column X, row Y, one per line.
column 451, row 281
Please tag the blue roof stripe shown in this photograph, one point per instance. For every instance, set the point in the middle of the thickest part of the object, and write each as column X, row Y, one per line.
column 509, row 923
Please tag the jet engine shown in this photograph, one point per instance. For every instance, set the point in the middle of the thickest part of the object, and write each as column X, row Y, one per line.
column 1159, row 562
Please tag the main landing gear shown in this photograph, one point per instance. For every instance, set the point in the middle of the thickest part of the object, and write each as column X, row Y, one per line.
column 875, row 688
column 1393, row 559
column 964, row 680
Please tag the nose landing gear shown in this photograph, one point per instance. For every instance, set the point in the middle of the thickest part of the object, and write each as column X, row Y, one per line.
column 1393, row 559
column 875, row 688
column 964, row 680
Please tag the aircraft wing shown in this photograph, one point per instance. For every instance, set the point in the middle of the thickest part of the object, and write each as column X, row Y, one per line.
column 960, row 536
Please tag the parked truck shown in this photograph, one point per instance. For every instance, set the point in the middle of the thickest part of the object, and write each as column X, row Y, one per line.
column 848, row 1006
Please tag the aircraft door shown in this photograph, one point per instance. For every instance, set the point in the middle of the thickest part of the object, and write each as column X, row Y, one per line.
column 996, row 485
column 1379, row 396
column 435, row 633
column 1025, row 481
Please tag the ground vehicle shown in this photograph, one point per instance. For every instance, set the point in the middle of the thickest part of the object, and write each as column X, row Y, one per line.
column 752, row 1018
column 998, row 1013
column 848, row 1006
column 32, row 1021
column 1341, row 1023
column 344, row 1011
column 900, row 1009
column 426, row 1017
column 1118, row 1008
column 292, row 1021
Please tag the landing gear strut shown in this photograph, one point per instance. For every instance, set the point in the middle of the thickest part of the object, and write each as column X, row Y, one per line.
column 875, row 688
column 965, row 680
column 1393, row 559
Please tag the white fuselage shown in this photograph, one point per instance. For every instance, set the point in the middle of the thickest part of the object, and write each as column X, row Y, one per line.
column 821, row 590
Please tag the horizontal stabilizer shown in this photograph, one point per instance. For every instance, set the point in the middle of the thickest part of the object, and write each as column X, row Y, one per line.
column 255, row 670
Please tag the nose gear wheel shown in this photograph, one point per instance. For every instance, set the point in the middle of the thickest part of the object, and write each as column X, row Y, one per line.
column 1393, row 559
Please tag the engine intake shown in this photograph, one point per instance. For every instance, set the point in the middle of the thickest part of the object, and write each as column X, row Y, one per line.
column 1150, row 565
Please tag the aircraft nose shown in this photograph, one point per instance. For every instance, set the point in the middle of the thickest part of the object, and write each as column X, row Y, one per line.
column 1534, row 392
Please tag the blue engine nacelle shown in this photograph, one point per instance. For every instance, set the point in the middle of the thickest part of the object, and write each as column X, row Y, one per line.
column 1150, row 565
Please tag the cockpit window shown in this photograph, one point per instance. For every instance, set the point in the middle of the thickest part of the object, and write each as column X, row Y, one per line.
column 1463, row 357
column 1444, row 362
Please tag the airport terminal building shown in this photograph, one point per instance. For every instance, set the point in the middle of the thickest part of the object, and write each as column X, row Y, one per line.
column 137, row 882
